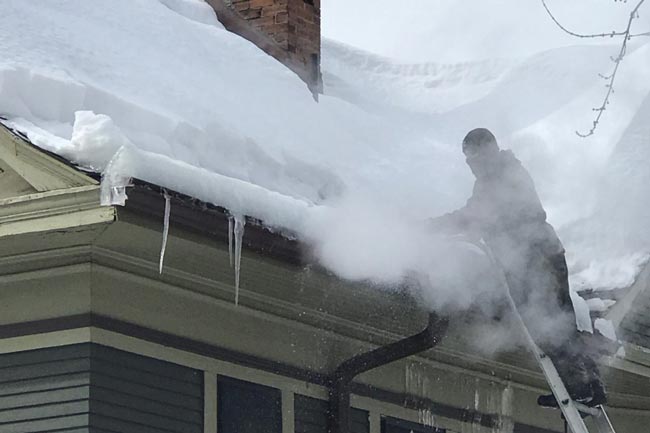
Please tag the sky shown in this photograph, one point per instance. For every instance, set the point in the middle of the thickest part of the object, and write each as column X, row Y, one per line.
column 514, row 28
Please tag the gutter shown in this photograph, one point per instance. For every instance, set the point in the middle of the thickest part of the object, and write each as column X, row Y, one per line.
column 341, row 380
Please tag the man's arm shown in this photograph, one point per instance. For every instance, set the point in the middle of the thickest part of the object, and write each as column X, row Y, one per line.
column 456, row 222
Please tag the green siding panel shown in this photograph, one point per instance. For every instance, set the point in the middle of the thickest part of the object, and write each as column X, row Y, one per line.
column 45, row 384
column 154, row 394
column 151, row 379
column 46, row 425
column 142, row 363
column 45, row 355
column 45, row 411
column 45, row 397
column 87, row 388
column 44, row 369
column 146, row 405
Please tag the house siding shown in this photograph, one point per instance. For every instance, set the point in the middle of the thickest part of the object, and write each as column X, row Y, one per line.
column 311, row 416
column 95, row 389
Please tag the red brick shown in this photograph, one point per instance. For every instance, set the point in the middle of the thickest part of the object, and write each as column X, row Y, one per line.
column 251, row 14
column 282, row 18
column 293, row 26
column 261, row 3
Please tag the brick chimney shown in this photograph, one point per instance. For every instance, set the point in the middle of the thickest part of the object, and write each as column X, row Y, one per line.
column 288, row 30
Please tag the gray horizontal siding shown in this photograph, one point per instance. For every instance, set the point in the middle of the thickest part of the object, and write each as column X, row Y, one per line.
column 87, row 388
column 45, row 390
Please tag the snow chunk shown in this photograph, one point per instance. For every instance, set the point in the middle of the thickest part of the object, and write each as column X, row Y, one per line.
column 610, row 273
column 600, row 305
column 95, row 139
column 583, row 319
column 606, row 327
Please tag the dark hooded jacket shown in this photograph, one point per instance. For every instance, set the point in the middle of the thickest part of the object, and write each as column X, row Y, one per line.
column 504, row 206
column 506, row 212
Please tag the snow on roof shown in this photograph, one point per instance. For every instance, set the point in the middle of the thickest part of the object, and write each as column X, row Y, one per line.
column 158, row 90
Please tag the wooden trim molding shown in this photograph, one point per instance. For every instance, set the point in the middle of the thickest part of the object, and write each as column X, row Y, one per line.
column 41, row 169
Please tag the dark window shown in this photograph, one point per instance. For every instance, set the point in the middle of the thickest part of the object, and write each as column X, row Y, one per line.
column 394, row 425
column 311, row 416
column 309, row 2
column 245, row 407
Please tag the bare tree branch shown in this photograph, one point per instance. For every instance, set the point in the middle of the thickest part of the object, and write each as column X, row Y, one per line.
column 612, row 77
column 594, row 35
column 627, row 35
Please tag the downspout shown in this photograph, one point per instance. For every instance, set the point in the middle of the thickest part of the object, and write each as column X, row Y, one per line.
column 341, row 380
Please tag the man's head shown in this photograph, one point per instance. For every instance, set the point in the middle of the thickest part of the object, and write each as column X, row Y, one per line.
column 479, row 147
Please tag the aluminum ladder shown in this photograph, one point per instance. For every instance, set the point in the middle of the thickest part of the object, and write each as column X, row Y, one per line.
column 573, row 411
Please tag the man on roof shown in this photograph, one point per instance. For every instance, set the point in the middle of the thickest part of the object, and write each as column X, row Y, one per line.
column 505, row 211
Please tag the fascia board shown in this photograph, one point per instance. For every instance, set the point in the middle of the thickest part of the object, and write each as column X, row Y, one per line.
column 53, row 210
column 39, row 169
column 638, row 355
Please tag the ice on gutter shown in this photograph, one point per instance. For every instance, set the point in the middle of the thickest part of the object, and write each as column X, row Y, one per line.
column 231, row 228
column 238, row 232
column 165, row 232
column 239, row 197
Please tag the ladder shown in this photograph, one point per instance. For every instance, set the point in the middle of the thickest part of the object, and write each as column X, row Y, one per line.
column 573, row 411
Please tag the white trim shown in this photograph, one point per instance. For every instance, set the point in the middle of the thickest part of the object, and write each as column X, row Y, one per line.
column 49, row 339
column 53, row 210
column 374, row 420
column 288, row 418
column 209, row 402
column 38, row 169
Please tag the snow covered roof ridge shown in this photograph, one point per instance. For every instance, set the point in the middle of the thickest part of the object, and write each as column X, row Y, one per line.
column 339, row 51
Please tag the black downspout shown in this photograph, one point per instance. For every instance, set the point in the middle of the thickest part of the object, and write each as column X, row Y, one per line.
column 339, row 384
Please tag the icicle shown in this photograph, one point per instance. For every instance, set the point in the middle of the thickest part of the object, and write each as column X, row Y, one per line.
column 231, row 227
column 239, row 236
column 165, row 232
column 426, row 418
column 113, row 184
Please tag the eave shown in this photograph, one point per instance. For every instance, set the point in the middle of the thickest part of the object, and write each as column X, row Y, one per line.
column 43, row 170
column 53, row 210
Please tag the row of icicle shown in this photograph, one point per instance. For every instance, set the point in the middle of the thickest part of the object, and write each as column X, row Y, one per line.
column 235, row 236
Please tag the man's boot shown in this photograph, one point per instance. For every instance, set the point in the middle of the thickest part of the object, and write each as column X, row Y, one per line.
column 582, row 394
